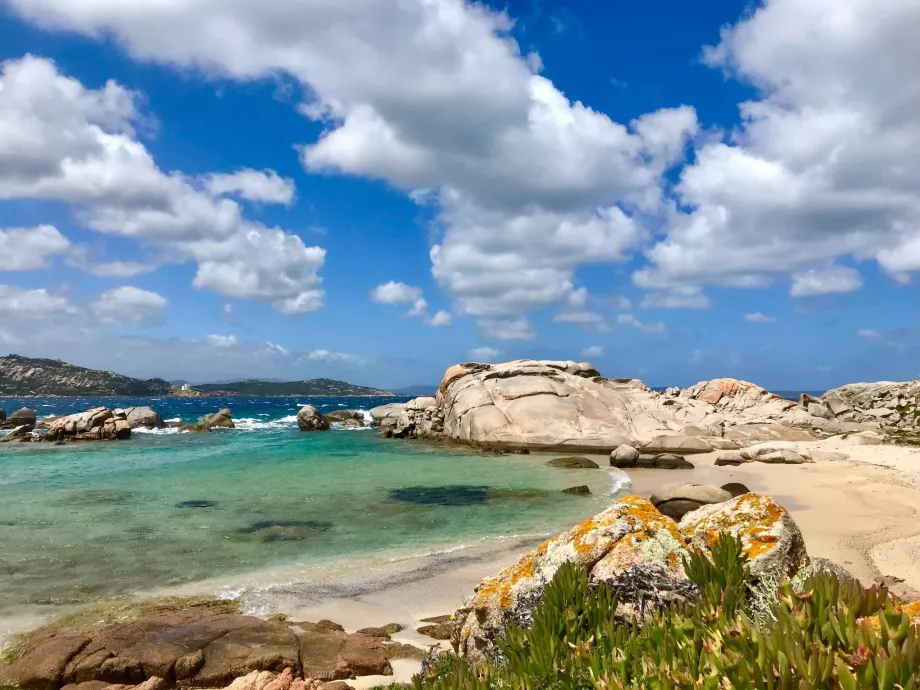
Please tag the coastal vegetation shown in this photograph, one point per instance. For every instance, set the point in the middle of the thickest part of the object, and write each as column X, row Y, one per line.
column 814, row 633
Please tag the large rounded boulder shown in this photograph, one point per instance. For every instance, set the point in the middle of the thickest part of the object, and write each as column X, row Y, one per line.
column 676, row 500
column 767, row 532
column 22, row 417
column 144, row 418
column 310, row 418
column 630, row 534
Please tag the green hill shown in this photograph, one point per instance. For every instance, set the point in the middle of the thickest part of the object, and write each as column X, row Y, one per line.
column 27, row 376
column 317, row 387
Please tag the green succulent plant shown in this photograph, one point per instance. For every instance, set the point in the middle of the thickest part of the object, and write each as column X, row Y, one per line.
column 814, row 634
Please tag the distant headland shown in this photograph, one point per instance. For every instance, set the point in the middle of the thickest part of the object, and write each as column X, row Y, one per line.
column 25, row 377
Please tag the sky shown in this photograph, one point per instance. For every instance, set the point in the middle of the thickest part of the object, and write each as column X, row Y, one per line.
column 373, row 190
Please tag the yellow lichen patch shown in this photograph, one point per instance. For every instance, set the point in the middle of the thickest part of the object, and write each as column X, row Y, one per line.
column 912, row 610
column 752, row 518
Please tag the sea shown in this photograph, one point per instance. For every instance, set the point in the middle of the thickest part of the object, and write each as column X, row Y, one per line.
column 91, row 521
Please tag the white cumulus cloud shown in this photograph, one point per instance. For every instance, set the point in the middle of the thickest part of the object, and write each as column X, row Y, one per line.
column 265, row 186
column 128, row 303
column 868, row 333
column 64, row 142
column 758, row 317
column 17, row 302
column 395, row 293
column 28, row 249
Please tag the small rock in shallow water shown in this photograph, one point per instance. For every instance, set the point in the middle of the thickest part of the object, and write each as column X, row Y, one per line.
column 196, row 504
column 577, row 490
column 458, row 495
column 574, row 463
column 285, row 530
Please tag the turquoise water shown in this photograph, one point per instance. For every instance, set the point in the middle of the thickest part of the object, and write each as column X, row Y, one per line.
column 83, row 522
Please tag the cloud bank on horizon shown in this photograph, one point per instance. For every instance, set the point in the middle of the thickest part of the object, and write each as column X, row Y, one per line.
column 526, row 195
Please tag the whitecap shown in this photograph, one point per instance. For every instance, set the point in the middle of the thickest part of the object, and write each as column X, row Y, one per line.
column 156, row 432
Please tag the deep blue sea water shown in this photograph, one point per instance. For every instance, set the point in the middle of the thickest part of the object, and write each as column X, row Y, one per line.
column 81, row 522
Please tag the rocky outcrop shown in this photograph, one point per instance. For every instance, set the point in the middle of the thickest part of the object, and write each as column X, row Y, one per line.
column 630, row 534
column 574, row 463
column 310, row 418
column 769, row 535
column 886, row 405
column 199, row 647
column 220, row 419
column 676, row 500
column 550, row 405
column 144, row 418
column 97, row 424
column 2, row 416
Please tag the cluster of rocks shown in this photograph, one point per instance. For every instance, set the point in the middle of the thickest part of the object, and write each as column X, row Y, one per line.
column 633, row 542
column 309, row 418
column 96, row 424
column 201, row 647
column 222, row 419
column 892, row 406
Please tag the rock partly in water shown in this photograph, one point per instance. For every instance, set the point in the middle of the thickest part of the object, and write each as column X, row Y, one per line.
column 387, row 416
column 624, row 456
column 768, row 534
column 220, row 419
column 631, row 533
column 676, row 500
column 144, row 417
column 97, row 424
column 652, row 461
column 22, row 417
column 582, row 490
column 310, row 418
column 574, row 463
column 344, row 415
column 19, row 434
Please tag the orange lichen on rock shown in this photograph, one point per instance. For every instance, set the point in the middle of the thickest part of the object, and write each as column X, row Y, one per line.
column 768, row 535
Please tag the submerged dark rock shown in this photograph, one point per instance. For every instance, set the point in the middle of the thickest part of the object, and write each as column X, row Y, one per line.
column 574, row 463
column 196, row 504
column 457, row 495
column 285, row 530
column 578, row 490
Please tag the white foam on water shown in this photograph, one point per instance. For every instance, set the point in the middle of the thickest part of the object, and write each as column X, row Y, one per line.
column 253, row 424
column 174, row 419
column 619, row 481
column 156, row 432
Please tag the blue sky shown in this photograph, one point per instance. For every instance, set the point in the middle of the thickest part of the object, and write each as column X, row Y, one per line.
column 375, row 190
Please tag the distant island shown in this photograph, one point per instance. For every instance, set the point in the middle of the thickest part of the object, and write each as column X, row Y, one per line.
column 25, row 376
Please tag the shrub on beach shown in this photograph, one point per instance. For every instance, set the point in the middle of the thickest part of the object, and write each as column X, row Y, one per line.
column 813, row 632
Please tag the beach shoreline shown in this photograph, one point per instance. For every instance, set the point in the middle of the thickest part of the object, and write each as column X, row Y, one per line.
column 860, row 512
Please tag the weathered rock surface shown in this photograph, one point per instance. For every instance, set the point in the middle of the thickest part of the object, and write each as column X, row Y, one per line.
column 387, row 415
column 144, row 417
column 2, row 415
column 624, row 456
column 582, row 490
column 678, row 444
column 574, row 463
column 220, row 419
column 97, row 424
column 18, row 434
column 736, row 489
column 650, row 461
column 630, row 534
column 767, row 532
column 310, row 418
column 200, row 647
column 23, row 416
column 550, row 405
column 344, row 415
column 676, row 500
